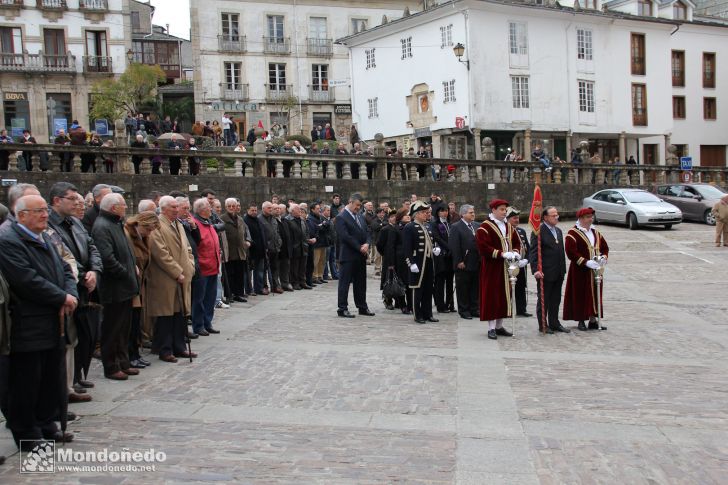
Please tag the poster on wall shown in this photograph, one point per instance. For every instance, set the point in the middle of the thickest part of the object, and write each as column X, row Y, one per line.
column 60, row 124
column 102, row 127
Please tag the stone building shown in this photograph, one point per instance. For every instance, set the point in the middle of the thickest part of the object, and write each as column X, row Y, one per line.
column 275, row 62
column 630, row 77
column 51, row 53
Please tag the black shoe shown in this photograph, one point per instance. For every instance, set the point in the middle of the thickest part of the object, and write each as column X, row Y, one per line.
column 344, row 314
column 239, row 299
column 135, row 364
column 433, row 320
column 366, row 312
column 28, row 445
column 212, row 330
column 581, row 326
column 492, row 335
column 503, row 332
column 145, row 362
column 323, row 281
column 306, row 287
column 389, row 307
column 524, row 314
column 563, row 329
column 192, row 335
column 549, row 331
column 443, row 310
column 420, row 320
column 595, row 326
column 405, row 311
column 466, row 316
column 204, row 333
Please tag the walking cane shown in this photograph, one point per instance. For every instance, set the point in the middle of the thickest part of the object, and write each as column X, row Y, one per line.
column 512, row 267
column 182, row 308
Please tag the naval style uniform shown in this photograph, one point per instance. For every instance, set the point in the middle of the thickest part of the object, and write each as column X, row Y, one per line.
column 418, row 250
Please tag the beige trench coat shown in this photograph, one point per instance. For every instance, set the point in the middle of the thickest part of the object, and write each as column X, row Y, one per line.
column 171, row 257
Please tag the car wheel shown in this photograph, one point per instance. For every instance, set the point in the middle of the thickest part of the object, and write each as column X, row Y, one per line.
column 709, row 218
column 632, row 221
column 668, row 226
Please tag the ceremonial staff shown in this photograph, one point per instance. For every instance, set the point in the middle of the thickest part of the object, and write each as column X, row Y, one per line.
column 534, row 220
column 601, row 261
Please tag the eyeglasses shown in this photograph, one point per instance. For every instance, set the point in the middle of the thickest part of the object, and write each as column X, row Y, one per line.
column 42, row 210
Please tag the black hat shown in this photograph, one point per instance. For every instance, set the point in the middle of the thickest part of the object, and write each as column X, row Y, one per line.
column 418, row 206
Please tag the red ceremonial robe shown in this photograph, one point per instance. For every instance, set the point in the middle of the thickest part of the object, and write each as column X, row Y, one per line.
column 580, row 301
column 495, row 288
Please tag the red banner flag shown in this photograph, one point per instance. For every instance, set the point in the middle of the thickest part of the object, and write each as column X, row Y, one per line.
column 534, row 218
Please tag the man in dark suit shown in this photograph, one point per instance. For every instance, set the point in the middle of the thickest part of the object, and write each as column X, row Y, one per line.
column 353, row 251
column 551, row 275
column 465, row 262
column 512, row 215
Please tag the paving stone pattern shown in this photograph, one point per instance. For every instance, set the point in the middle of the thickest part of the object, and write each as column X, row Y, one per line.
column 290, row 394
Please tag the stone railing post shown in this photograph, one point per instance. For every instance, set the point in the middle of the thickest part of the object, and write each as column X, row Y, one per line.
column 296, row 171
column 248, row 168
column 313, row 171
column 13, row 162
column 346, row 171
column 571, row 178
column 396, row 171
column 76, row 168
column 363, row 175
column 623, row 178
column 203, row 165
column 145, row 168
column 635, row 178
column 331, row 170
column 413, row 173
column 220, row 166
column 661, row 176
column 556, row 176
column 184, row 168
column 238, row 167
column 599, row 177
column 479, row 172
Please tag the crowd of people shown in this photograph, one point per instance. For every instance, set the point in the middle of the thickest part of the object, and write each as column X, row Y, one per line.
column 114, row 284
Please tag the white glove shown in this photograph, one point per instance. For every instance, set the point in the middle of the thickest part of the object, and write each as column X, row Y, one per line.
column 602, row 261
column 523, row 263
column 436, row 250
column 508, row 255
column 414, row 268
column 592, row 264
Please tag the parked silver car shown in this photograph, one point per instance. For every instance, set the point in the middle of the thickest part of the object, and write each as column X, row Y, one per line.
column 694, row 200
column 633, row 207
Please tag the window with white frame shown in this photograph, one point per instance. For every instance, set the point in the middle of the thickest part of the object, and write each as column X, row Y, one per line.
column 232, row 75
column 446, row 36
column 373, row 107
column 586, row 96
column 406, row 47
column 518, row 38
column 584, row 44
column 371, row 61
column 449, row 91
column 521, row 98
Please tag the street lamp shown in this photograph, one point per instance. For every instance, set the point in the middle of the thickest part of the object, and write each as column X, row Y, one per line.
column 459, row 50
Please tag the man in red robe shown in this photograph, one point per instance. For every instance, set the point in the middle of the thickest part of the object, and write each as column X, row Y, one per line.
column 588, row 251
column 497, row 241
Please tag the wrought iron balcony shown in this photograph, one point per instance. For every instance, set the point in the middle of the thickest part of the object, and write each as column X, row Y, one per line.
column 234, row 92
column 278, row 92
column 37, row 63
column 11, row 4
column 97, row 64
column 319, row 47
column 277, row 45
column 94, row 5
column 52, row 4
column 320, row 94
column 232, row 43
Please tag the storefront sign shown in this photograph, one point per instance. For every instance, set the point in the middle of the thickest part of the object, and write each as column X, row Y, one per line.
column 232, row 106
column 459, row 122
column 342, row 109
column 338, row 82
column 15, row 97
column 423, row 132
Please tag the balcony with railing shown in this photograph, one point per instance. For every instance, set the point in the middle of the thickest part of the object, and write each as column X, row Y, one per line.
column 234, row 92
column 16, row 4
column 40, row 62
column 319, row 47
column 97, row 64
column 52, row 4
column 232, row 43
column 320, row 94
column 94, row 5
column 277, row 45
column 278, row 93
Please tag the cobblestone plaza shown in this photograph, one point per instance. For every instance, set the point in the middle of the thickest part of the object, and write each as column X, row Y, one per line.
column 289, row 393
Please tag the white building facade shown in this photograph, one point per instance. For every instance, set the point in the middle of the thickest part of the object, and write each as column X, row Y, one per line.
column 51, row 54
column 275, row 62
column 630, row 85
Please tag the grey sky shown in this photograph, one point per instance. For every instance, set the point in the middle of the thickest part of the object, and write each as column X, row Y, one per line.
column 176, row 13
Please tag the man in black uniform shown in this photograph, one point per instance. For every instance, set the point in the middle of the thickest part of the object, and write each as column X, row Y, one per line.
column 418, row 251
column 512, row 215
